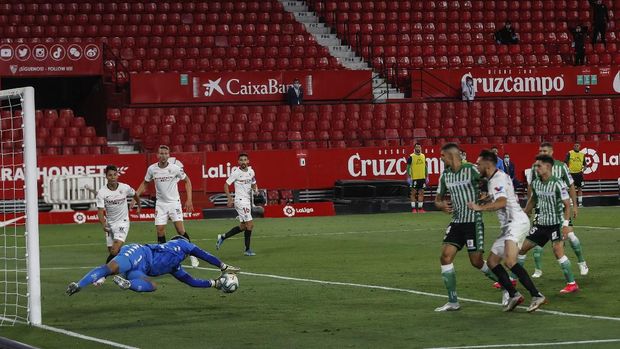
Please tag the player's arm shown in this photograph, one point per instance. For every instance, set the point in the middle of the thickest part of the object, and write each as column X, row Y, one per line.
column 229, row 181
column 184, row 277
column 136, row 199
column 101, row 212
column 440, row 203
column 566, row 200
column 189, row 206
column 102, row 219
column 499, row 203
column 409, row 161
column 531, row 201
column 139, row 192
column 567, row 159
column 571, row 189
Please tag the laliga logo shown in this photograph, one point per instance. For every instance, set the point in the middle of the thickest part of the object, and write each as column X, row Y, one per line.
column 213, row 86
column 79, row 218
column 592, row 160
column 289, row 211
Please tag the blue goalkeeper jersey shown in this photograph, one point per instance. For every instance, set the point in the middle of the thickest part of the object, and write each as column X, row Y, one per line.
column 157, row 259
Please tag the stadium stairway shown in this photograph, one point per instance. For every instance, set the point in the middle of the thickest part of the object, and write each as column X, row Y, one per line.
column 322, row 33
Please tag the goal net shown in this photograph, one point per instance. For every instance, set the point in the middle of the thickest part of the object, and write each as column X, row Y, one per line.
column 20, row 290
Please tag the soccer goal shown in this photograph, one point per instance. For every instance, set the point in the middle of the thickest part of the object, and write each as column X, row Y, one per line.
column 20, row 289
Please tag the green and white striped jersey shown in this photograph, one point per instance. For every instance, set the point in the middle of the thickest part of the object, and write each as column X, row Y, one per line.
column 549, row 197
column 463, row 187
column 559, row 170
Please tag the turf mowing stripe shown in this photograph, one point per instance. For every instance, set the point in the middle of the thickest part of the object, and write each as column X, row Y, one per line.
column 322, row 234
column 88, row 338
column 421, row 293
column 595, row 341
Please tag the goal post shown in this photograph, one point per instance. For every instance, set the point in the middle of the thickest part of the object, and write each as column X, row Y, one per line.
column 19, row 217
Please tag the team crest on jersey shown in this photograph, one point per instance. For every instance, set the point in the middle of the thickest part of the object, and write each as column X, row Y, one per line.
column 499, row 189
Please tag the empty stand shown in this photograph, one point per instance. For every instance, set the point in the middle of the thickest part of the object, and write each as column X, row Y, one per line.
column 405, row 34
column 354, row 125
column 228, row 35
column 60, row 132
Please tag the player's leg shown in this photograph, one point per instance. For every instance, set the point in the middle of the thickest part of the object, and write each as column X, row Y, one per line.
column 93, row 275
column 511, row 250
column 412, row 197
column 512, row 297
column 575, row 244
column 161, row 220
column 537, row 253
column 247, row 234
column 136, row 281
column 473, row 235
column 448, row 252
column 565, row 265
column 175, row 213
column 421, row 200
column 235, row 230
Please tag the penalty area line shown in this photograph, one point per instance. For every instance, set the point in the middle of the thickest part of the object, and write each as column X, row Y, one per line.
column 420, row 293
column 521, row 345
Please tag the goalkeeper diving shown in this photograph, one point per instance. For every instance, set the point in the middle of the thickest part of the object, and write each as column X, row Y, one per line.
column 138, row 262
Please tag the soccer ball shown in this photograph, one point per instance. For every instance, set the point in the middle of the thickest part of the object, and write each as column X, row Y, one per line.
column 229, row 282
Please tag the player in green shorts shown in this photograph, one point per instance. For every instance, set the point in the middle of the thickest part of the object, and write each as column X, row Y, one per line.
column 462, row 182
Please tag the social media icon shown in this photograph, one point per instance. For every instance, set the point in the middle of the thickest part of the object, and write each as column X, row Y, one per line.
column 91, row 52
column 57, row 52
column 40, row 52
column 6, row 52
column 75, row 52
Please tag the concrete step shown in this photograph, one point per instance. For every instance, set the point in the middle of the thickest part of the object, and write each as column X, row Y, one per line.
column 356, row 66
column 317, row 28
column 306, row 17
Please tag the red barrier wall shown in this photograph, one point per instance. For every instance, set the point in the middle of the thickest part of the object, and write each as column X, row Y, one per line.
column 315, row 168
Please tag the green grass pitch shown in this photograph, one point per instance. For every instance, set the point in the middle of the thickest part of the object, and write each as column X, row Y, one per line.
column 397, row 251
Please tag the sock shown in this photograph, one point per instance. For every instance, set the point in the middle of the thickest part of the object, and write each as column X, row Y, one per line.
column 412, row 204
column 580, row 200
column 94, row 275
column 141, row 285
column 576, row 245
column 110, row 256
column 161, row 239
column 420, row 205
column 566, row 269
column 206, row 256
column 525, row 280
column 504, row 280
column 538, row 257
column 232, row 232
column 449, row 279
column 248, row 235
column 521, row 262
column 488, row 272
column 186, row 236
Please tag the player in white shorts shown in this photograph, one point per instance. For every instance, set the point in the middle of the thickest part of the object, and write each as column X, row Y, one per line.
column 166, row 176
column 245, row 184
column 514, row 225
column 113, row 212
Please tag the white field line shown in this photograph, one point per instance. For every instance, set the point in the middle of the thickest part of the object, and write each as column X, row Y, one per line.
column 88, row 338
column 75, row 334
column 421, row 293
column 320, row 234
column 520, row 345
